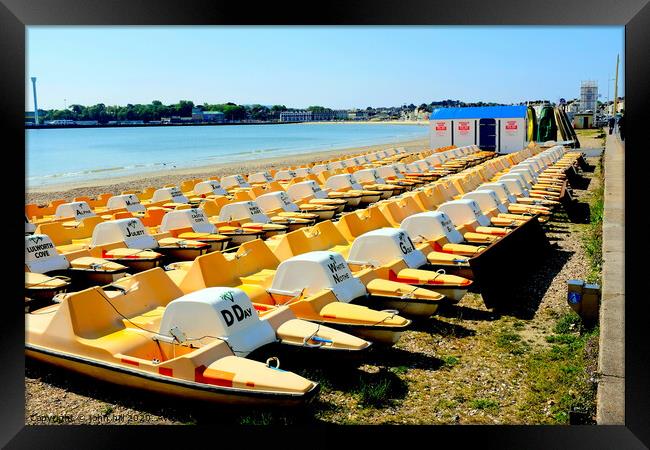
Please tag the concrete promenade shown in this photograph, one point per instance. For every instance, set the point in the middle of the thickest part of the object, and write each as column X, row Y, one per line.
column 611, row 359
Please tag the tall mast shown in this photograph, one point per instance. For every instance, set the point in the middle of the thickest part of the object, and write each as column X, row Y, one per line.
column 616, row 87
column 35, row 102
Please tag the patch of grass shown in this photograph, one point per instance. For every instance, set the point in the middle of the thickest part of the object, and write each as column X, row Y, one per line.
column 511, row 342
column 588, row 131
column 484, row 403
column 378, row 389
column 450, row 360
column 107, row 410
column 567, row 323
column 592, row 239
column 560, row 378
column 460, row 398
column 445, row 404
column 561, row 339
column 375, row 391
column 400, row 370
column 561, row 417
column 505, row 338
column 257, row 419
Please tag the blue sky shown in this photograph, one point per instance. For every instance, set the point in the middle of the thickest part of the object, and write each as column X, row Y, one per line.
column 338, row 67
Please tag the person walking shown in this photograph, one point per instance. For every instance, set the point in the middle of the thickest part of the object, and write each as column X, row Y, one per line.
column 621, row 127
column 610, row 124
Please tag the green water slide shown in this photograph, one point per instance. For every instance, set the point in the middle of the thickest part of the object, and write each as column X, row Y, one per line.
column 546, row 126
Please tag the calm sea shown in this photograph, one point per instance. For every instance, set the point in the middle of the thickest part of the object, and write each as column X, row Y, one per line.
column 68, row 155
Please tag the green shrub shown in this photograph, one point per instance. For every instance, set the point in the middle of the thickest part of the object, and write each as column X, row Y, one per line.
column 400, row 370
column 511, row 342
column 449, row 360
column 567, row 323
column 375, row 392
column 484, row 403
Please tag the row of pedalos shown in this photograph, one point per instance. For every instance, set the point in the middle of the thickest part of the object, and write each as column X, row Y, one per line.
column 195, row 190
column 180, row 235
column 199, row 328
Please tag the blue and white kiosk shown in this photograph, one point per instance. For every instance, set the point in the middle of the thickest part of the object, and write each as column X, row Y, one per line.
column 498, row 128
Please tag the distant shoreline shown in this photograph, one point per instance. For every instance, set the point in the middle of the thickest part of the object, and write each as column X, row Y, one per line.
column 144, row 125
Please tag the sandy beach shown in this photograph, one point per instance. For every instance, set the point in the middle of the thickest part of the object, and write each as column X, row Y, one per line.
column 43, row 195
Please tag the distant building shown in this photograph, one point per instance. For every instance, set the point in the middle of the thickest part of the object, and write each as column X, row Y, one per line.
column 197, row 114
column 126, row 122
column 588, row 95
column 296, row 116
column 340, row 114
column 387, row 113
column 60, row 122
column 583, row 120
column 357, row 114
column 172, row 119
column 311, row 116
column 380, row 117
column 329, row 115
column 213, row 116
column 416, row 114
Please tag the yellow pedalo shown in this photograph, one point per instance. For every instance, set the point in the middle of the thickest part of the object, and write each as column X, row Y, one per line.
column 329, row 271
column 127, row 242
column 253, row 268
column 142, row 332
column 395, row 257
column 48, row 273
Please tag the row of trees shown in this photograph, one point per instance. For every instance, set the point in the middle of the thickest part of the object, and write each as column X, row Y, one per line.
column 102, row 113
column 156, row 110
column 232, row 112
column 235, row 112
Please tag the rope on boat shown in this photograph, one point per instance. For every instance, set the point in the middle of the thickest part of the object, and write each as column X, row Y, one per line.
column 313, row 336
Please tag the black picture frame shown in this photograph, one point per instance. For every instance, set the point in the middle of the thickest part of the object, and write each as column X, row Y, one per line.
column 15, row 15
